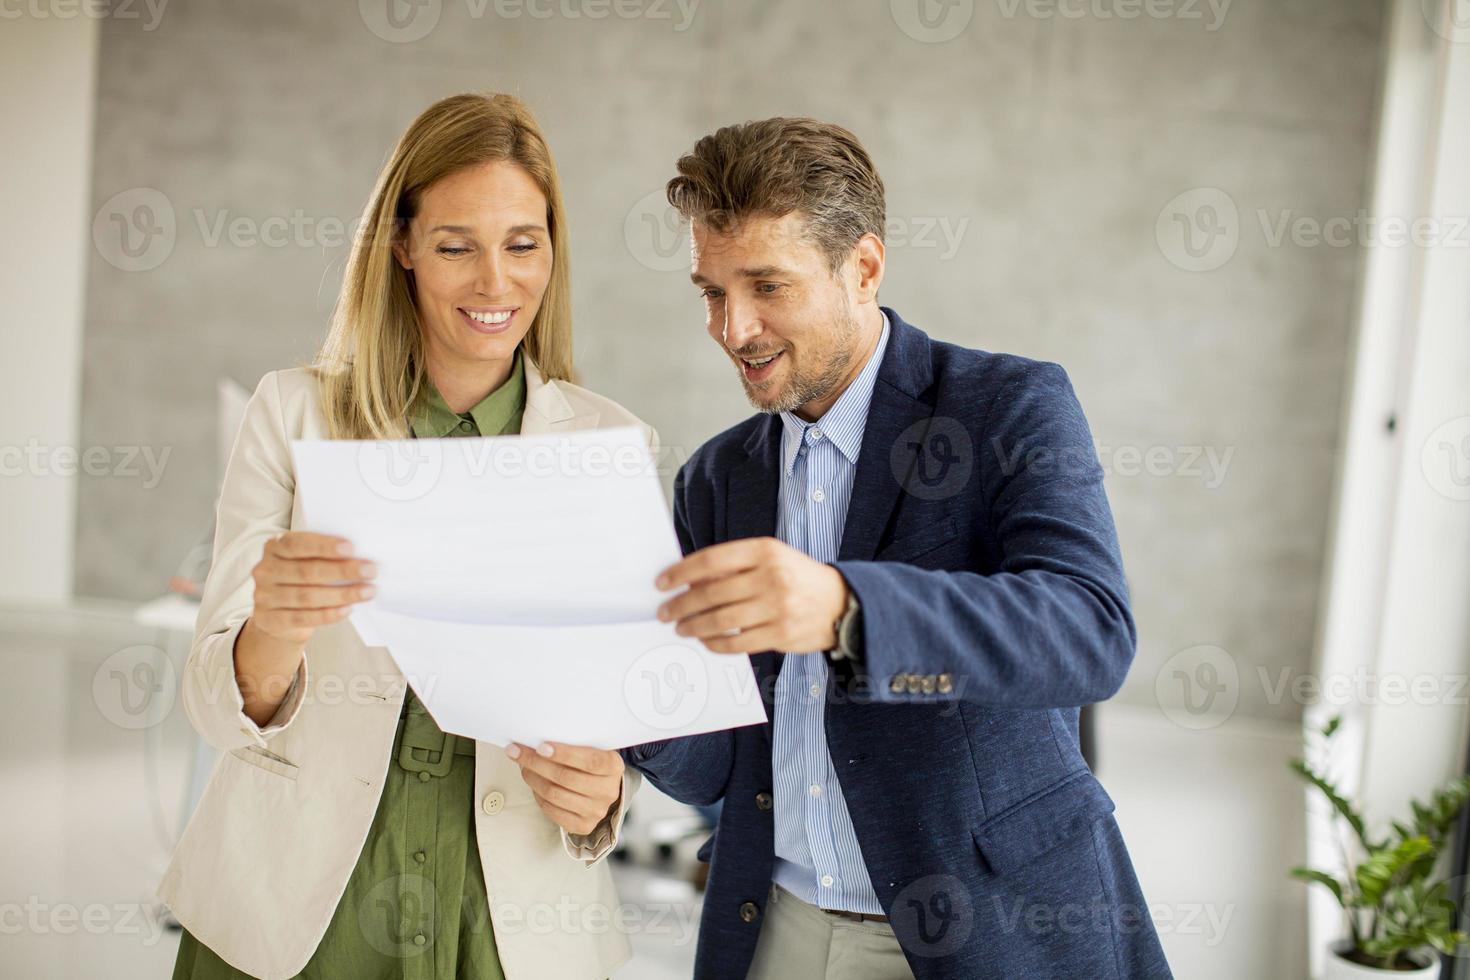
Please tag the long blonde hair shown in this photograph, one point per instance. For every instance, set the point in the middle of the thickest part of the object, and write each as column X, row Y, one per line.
column 371, row 364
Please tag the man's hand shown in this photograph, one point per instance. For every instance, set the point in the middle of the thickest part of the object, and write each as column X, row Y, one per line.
column 574, row 786
column 776, row 597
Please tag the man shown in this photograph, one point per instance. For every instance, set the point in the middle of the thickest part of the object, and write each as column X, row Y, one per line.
column 913, row 540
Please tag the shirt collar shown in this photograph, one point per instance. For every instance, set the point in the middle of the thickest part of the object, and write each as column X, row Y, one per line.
column 432, row 419
column 843, row 423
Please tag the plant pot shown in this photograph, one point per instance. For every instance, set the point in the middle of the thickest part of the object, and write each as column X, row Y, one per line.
column 1341, row 969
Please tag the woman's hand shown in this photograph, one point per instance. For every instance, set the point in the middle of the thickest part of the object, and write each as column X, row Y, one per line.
column 304, row 581
column 575, row 786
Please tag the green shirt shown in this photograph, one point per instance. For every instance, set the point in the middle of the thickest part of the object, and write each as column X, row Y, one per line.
column 415, row 905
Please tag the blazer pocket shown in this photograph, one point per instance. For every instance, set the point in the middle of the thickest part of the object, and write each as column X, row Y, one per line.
column 1019, row 834
column 920, row 542
column 263, row 759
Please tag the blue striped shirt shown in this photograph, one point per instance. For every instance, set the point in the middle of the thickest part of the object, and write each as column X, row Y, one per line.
column 817, row 855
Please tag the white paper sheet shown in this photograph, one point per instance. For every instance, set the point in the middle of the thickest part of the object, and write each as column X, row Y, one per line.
column 515, row 585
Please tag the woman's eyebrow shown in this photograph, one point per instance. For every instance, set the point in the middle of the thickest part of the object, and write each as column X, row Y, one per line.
column 467, row 230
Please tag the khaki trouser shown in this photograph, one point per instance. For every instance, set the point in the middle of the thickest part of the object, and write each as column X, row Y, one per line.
column 801, row 942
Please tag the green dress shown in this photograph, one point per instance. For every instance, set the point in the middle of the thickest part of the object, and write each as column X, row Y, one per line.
column 415, row 905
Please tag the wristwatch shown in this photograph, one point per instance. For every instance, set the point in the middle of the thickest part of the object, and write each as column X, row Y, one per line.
column 849, row 629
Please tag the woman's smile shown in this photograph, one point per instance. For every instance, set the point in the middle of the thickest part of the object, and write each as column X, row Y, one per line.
column 488, row 319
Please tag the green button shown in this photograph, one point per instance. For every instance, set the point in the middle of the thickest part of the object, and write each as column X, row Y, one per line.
column 420, row 856
column 419, row 940
column 423, row 776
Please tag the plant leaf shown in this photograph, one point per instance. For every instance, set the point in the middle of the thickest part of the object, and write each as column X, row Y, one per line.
column 1322, row 878
column 1338, row 801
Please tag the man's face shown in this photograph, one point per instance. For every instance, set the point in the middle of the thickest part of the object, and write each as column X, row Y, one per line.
column 773, row 304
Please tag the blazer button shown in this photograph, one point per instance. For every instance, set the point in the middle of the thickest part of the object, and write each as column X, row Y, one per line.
column 763, row 801
column 494, row 802
column 749, row 912
column 896, row 685
column 928, row 684
column 945, row 684
column 913, row 683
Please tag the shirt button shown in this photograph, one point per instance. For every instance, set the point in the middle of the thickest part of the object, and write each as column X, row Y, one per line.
column 420, row 939
column 816, row 433
column 815, row 790
column 494, row 802
column 826, row 881
column 816, row 690
column 464, row 425
column 819, row 495
column 423, row 775
column 420, row 856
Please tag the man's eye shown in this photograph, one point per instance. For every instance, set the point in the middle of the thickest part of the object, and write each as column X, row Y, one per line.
column 769, row 287
column 710, row 293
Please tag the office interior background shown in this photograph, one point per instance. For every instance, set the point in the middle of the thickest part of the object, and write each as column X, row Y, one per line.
column 1243, row 228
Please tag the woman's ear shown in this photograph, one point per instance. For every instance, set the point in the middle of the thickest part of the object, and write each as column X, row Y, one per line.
column 400, row 252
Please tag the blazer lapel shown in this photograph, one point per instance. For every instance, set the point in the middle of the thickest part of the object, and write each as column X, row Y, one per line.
column 750, row 512
column 547, row 409
column 904, row 375
column 750, row 504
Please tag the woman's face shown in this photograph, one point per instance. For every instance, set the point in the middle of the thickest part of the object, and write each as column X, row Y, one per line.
column 480, row 252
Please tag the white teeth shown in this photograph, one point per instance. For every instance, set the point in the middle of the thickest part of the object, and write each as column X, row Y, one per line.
column 760, row 363
column 490, row 317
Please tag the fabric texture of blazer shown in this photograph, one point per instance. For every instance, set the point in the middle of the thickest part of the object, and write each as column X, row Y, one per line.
column 981, row 547
column 263, row 862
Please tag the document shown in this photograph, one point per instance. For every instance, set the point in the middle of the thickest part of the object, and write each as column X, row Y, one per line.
column 515, row 585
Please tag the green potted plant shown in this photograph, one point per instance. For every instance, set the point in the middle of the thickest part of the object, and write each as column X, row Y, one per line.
column 1398, row 911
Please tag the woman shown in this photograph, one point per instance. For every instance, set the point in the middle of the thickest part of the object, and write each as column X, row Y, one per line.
column 343, row 835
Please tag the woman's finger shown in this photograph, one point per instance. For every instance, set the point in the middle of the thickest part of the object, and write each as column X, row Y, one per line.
column 277, row 620
column 599, row 762
column 308, row 544
column 317, row 571
column 572, row 823
column 578, row 779
column 312, row 596
column 562, row 795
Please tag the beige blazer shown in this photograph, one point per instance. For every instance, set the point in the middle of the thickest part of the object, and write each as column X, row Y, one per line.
column 265, row 859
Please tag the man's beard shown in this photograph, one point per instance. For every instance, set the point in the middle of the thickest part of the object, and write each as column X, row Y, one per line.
column 803, row 388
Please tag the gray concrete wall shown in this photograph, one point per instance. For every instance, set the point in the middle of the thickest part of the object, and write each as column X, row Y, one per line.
column 1042, row 168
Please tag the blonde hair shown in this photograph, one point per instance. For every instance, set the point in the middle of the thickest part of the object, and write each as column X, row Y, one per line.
column 371, row 365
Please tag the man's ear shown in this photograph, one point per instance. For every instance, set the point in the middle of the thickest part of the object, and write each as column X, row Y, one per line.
column 869, row 256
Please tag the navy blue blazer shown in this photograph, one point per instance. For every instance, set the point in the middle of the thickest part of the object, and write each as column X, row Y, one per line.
column 980, row 545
